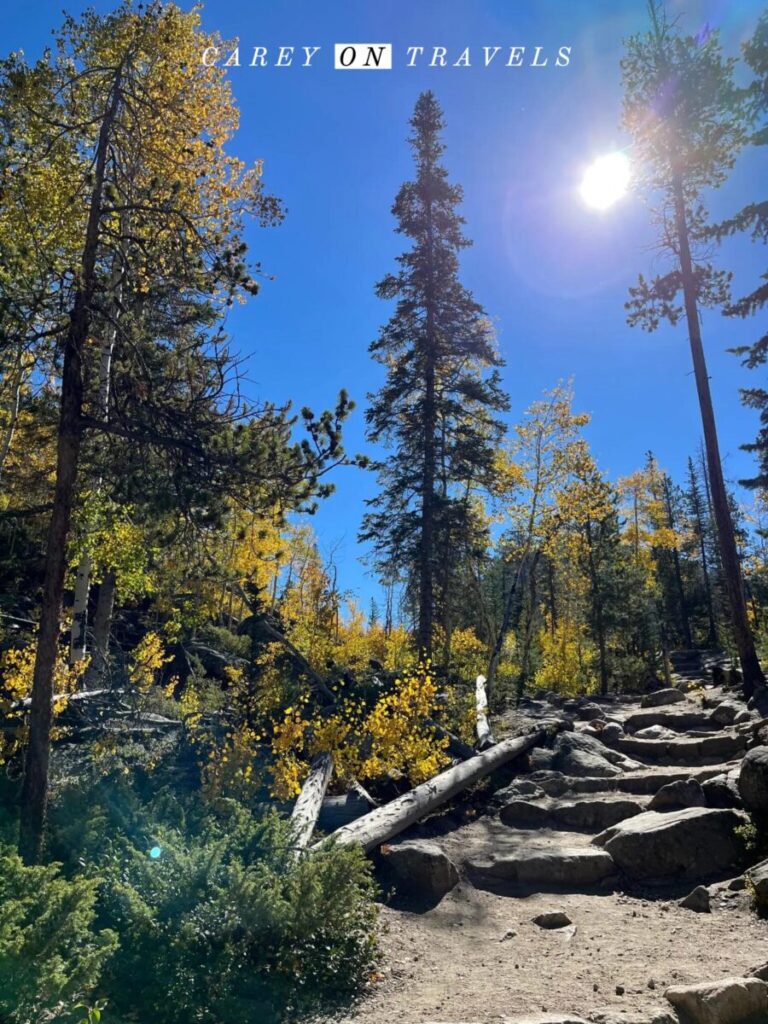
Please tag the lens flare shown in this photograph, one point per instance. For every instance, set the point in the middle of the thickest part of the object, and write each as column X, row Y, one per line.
column 155, row 852
column 605, row 181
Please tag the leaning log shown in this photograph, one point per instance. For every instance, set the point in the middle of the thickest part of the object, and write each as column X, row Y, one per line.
column 456, row 746
column 310, row 800
column 385, row 822
column 484, row 737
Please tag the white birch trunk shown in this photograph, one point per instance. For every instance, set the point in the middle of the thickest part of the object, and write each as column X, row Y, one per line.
column 306, row 810
column 484, row 737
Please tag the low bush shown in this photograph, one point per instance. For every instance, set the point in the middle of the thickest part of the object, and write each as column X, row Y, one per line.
column 172, row 911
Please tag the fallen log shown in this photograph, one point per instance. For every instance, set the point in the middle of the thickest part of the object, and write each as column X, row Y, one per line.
column 385, row 822
column 310, row 800
column 484, row 737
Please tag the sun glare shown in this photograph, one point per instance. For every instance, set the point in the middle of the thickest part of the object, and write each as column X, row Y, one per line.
column 605, row 181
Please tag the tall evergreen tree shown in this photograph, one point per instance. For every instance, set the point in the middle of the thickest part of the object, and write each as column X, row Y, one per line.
column 753, row 218
column 687, row 133
column 436, row 409
column 698, row 515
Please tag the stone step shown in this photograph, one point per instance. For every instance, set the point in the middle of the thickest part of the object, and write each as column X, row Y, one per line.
column 543, row 869
column 693, row 751
column 645, row 782
column 677, row 721
column 580, row 815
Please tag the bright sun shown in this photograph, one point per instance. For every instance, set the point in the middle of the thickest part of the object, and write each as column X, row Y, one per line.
column 605, row 181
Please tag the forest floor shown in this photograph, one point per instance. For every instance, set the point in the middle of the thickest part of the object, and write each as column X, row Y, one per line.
column 477, row 957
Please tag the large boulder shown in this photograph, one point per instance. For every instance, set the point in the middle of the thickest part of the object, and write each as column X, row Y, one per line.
column 659, row 698
column 753, row 780
column 695, row 843
column 728, row 1001
column 580, row 755
column 420, row 867
column 758, row 878
column 612, row 733
column 589, row 712
column 722, row 790
column 676, row 795
column 728, row 711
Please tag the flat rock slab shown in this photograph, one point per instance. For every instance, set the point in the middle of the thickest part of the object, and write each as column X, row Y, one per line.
column 706, row 750
column 728, row 1001
column 561, row 867
column 660, row 698
column 677, row 721
column 695, row 843
column 589, row 815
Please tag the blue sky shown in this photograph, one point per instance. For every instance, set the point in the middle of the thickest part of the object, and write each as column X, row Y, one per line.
column 552, row 274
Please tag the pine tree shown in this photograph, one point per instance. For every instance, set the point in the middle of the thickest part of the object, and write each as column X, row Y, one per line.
column 753, row 219
column 687, row 133
column 697, row 511
column 436, row 409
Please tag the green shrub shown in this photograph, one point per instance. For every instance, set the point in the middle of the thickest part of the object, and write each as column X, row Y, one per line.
column 50, row 954
column 221, row 924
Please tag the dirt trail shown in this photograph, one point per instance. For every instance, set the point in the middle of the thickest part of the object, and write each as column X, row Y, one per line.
column 477, row 956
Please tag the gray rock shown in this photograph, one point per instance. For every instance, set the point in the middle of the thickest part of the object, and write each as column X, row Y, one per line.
column 552, row 919
column 541, row 759
column 525, row 813
column 589, row 712
column 739, row 884
column 659, row 698
column 571, row 743
column 725, row 713
column 693, row 843
column 541, row 867
column 721, row 791
column 728, row 1001
column 760, row 972
column 581, row 763
column 653, row 732
column 753, row 780
column 591, row 815
column 758, row 878
column 676, row 795
column 611, row 732
column 421, row 867
column 698, row 901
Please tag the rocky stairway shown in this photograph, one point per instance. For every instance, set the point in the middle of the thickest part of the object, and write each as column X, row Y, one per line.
column 637, row 791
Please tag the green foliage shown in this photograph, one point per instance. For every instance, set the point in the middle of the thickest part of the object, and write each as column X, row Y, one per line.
column 51, row 952
column 212, row 912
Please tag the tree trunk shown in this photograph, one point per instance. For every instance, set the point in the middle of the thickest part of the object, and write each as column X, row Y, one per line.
column 684, row 620
column 102, row 625
column 428, row 470
column 34, row 793
column 388, row 821
column 78, row 641
column 597, row 610
column 752, row 673
column 484, row 737
column 306, row 810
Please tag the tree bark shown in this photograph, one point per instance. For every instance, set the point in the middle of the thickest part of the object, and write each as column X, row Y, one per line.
column 428, row 470
column 752, row 673
column 484, row 737
column 102, row 625
column 34, row 794
column 684, row 620
column 306, row 810
column 388, row 821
